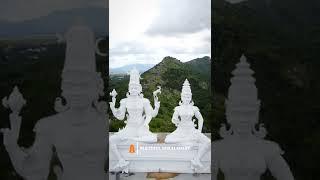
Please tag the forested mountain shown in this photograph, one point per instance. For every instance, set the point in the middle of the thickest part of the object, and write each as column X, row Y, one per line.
column 170, row 74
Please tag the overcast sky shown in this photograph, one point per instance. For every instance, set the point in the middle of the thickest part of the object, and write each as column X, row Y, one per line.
column 140, row 31
column 145, row 31
column 20, row 10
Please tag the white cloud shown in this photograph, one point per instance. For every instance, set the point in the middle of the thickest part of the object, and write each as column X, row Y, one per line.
column 151, row 49
column 176, row 17
column 128, row 19
column 137, row 36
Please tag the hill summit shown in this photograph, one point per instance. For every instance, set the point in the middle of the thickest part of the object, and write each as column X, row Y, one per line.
column 170, row 74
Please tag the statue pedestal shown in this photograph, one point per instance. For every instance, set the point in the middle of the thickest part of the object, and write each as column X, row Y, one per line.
column 160, row 157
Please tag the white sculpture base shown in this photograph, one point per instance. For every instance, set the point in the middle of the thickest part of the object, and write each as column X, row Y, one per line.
column 158, row 158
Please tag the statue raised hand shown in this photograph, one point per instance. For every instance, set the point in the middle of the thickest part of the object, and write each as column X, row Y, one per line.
column 139, row 113
column 77, row 132
column 14, row 102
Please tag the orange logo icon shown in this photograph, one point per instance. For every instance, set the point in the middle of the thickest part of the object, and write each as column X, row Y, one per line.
column 131, row 149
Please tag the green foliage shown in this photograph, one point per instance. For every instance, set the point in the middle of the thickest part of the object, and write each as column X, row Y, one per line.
column 170, row 75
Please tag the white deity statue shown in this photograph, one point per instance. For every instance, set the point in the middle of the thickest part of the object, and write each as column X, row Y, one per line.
column 139, row 114
column 186, row 131
column 78, row 131
column 243, row 153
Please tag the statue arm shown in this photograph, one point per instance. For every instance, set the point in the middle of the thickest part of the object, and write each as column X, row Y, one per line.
column 120, row 112
column 148, row 112
column 175, row 117
column 156, row 108
column 278, row 166
column 199, row 117
column 156, row 102
column 34, row 162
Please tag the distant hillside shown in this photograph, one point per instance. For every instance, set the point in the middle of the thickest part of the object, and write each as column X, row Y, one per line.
column 57, row 22
column 170, row 74
column 201, row 66
column 125, row 69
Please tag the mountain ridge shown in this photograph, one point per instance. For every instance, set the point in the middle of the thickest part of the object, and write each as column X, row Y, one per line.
column 125, row 69
column 57, row 22
column 170, row 65
column 170, row 74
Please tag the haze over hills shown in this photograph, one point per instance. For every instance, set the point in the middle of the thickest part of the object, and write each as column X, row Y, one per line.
column 57, row 22
column 199, row 65
column 170, row 74
column 125, row 69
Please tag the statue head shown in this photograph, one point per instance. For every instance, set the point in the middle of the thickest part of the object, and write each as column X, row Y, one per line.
column 135, row 87
column 186, row 95
column 242, row 104
column 81, row 84
column 84, row 92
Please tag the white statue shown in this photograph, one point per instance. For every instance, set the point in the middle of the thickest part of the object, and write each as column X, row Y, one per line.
column 243, row 154
column 78, row 131
column 140, row 113
column 186, row 131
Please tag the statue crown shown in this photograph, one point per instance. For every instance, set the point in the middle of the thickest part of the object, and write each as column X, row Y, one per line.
column 134, row 76
column 243, row 91
column 186, row 88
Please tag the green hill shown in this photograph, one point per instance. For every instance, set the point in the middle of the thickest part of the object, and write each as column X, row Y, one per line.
column 170, row 74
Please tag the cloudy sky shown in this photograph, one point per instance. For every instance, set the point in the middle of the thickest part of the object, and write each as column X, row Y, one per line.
column 20, row 10
column 145, row 31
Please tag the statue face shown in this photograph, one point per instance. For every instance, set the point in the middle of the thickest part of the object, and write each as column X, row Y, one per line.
column 79, row 95
column 186, row 98
column 135, row 89
column 242, row 121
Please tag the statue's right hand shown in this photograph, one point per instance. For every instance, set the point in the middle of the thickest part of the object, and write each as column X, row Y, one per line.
column 112, row 104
